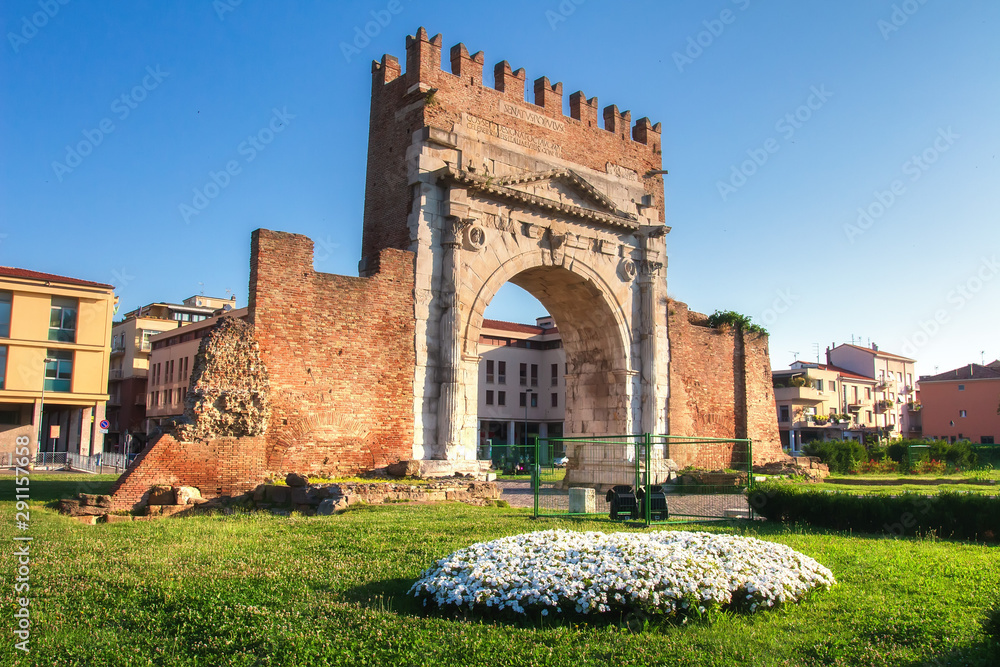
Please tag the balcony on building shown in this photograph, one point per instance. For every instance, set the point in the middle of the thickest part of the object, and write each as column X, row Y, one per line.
column 799, row 394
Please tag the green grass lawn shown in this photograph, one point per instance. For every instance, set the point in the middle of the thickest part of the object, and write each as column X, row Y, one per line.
column 911, row 483
column 972, row 474
column 263, row 590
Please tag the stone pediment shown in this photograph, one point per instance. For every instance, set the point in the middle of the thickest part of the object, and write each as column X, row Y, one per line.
column 560, row 191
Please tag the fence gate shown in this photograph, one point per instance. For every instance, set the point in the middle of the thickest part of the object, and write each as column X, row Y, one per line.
column 647, row 478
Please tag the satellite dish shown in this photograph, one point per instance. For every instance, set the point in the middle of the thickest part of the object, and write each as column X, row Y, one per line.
column 227, row 308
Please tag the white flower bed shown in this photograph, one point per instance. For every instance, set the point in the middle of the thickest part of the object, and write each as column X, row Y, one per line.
column 669, row 573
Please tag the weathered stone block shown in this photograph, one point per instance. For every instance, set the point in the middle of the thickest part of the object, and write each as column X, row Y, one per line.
column 186, row 495
column 165, row 510
column 117, row 518
column 69, row 506
column 95, row 500
column 304, row 496
column 161, row 494
column 295, row 479
column 582, row 501
column 327, row 507
column 277, row 494
column 403, row 469
column 87, row 520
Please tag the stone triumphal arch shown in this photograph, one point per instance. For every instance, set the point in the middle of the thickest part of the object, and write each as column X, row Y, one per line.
column 485, row 188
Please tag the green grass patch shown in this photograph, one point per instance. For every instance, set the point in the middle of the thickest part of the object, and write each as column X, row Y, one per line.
column 255, row 589
column 361, row 480
column 545, row 475
column 925, row 489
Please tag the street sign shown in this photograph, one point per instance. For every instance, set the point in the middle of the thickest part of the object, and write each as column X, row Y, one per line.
column 105, row 425
column 54, row 431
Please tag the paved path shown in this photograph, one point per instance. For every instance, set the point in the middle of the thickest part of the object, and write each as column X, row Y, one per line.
column 519, row 494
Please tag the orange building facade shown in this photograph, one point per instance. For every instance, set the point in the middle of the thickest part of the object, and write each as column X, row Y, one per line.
column 962, row 404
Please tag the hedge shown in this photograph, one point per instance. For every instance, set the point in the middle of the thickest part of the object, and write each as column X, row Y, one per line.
column 955, row 515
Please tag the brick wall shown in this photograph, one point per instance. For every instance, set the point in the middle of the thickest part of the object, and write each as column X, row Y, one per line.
column 720, row 384
column 340, row 355
column 401, row 106
column 224, row 466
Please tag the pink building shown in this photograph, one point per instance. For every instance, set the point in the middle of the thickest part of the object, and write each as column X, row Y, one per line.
column 962, row 404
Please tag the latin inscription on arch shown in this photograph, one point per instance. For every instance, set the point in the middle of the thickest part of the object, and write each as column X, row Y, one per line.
column 524, row 139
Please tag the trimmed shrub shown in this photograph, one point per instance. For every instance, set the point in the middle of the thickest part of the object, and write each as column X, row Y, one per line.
column 963, row 516
column 897, row 451
column 841, row 455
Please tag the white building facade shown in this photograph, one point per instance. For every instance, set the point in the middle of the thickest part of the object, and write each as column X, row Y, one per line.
column 522, row 388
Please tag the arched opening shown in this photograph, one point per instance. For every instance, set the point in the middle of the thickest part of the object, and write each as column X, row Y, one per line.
column 593, row 390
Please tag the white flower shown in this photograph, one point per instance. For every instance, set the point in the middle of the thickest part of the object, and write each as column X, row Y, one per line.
column 657, row 572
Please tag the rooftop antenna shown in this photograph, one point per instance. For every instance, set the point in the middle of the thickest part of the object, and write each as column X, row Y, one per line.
column 202, row 287
column 982, row 357
column 816, row 347
column 794, row 354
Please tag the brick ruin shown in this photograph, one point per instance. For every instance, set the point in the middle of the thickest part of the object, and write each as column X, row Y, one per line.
column 470, row 187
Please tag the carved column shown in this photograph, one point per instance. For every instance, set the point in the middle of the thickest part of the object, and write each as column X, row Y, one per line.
column 450, row 415
column 648, row 272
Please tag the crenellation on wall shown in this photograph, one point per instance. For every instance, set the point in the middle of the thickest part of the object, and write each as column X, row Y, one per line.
column 617, row 122
column 583, row 109
column 465, row 66
column 509, row 81
column 549, row 96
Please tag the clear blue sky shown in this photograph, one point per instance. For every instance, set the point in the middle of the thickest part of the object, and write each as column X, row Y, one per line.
column 886, row 80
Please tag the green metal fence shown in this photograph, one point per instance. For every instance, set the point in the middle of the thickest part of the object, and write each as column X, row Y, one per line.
column 915, row 454
column 647, row 478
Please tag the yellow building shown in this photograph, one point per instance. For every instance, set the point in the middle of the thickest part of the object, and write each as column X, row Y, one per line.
column 817, row 402
column 54, row 350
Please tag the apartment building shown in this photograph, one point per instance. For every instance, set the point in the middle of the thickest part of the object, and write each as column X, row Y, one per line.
column 131, row 346
column 895, row 405
column 822, row 402
column 171, row 363
column 54, row 334
column 962, row 404
column 521, row 383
